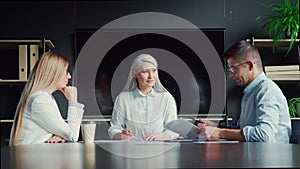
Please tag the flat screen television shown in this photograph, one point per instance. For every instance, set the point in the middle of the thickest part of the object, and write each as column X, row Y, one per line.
column 186, row 78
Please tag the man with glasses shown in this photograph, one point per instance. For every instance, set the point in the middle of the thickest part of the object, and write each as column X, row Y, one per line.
column 264, row 110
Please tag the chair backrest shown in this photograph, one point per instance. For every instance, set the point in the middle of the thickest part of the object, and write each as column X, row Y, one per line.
column 295, row 138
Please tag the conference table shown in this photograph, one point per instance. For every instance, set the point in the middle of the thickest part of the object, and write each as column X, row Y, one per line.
column 150, row 154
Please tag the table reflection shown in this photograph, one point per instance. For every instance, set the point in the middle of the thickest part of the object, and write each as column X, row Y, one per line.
column 90, row 155
column 52, row 156
column 268, row 155
column 150, row 155
column 140, row 154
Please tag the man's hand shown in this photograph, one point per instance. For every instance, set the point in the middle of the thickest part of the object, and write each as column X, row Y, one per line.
column 210, row 133
column 202, row 123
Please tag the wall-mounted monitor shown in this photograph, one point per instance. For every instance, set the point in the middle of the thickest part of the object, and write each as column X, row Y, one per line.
column 181, row 70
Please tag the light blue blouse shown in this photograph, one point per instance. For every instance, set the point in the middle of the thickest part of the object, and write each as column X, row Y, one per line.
column 265, row 114
column 143, row 114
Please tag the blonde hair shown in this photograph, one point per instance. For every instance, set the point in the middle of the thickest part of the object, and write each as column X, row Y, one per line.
column 46, row 72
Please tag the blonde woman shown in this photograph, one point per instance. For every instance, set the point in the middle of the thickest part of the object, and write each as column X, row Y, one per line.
column 144, row 106
column 37, row 118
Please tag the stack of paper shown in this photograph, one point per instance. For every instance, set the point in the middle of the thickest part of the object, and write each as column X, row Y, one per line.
column 285, row 72
column 186, row 129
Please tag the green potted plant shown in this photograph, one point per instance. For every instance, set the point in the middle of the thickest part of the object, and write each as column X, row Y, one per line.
column 294, row 107
column 283, row 22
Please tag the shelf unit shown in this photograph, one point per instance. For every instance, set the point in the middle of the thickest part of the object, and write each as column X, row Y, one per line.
column 44, row 43
column 18, row 58
column 284, row 74
column 28, row 54
column 12, row 82
column 293, row 75
column 269, row 42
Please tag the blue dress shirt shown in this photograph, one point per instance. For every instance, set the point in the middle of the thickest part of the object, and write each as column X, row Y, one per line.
column 265, row 114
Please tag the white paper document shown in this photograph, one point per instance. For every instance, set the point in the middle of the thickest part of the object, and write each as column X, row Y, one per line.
column 217, row 141
column 109, row 141
column 185, row 129
column 133, row 140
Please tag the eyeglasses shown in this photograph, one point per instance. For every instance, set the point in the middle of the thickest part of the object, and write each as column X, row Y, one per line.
column 232, row 69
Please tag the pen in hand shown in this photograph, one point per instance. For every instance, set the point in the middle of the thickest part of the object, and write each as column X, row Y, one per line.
column 127, row 134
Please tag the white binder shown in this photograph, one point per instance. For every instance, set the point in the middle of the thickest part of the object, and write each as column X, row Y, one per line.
column 34, row 55
column 22, row 62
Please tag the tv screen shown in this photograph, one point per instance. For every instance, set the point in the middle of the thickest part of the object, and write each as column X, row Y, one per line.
column 180, row 69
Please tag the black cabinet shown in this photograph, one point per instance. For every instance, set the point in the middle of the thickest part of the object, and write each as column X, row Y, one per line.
column 18, row 59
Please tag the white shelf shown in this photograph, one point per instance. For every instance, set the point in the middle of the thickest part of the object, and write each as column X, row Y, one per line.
column 269, row 42
column 285, row 79
column 7, row 43
column 13, row 81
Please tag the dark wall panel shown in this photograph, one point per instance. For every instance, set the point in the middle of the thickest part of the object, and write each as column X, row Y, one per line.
column 58, row 20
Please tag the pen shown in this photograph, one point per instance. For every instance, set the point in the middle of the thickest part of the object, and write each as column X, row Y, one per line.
column 198, row 121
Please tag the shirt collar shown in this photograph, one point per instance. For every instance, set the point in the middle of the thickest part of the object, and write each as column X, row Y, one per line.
column 254, row 83
column 138, row 93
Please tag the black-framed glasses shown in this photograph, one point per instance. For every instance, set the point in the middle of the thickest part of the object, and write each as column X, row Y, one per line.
column 232, row 69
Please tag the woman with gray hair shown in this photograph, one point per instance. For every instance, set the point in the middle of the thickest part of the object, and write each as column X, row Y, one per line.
column 144, row 105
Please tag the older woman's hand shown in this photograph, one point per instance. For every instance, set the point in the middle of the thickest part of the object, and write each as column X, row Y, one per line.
column 56, row 139
column 157, row 136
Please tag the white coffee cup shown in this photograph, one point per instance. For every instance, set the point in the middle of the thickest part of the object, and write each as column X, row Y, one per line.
column 88, row 129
